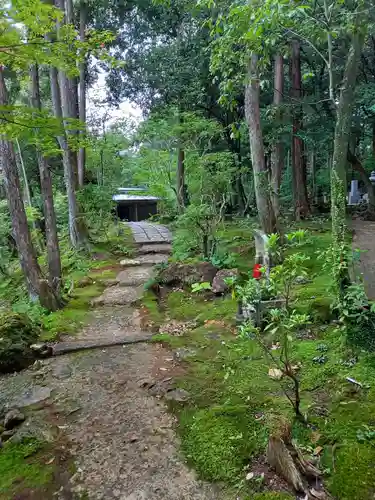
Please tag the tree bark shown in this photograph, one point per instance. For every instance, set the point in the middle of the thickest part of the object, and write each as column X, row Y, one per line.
column 180, row 179
column 301, row 204
column 37, row 287
column 277, row 155
column 341, row 144
column 252, row 113
column 82, row 93
column 53, row 249
column 65, row 108
column 314, row 192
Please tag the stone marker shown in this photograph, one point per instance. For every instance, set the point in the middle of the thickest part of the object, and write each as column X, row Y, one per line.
column 262, row 255
column 354, row 195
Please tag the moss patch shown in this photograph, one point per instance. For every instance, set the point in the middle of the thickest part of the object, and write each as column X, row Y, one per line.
column 22, row 467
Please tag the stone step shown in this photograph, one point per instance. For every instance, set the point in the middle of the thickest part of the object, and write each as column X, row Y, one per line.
column 118, row 296
column 164, row 248
column 152, row 259
column 135, row 276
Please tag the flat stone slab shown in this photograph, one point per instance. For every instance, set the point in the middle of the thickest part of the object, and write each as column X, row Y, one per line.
column 81, row 345
column 130, row 262
column 155, row 248
column 146, row 232
column 153, row 259
column 118, row 296
column 30, row 396
column 135, row 276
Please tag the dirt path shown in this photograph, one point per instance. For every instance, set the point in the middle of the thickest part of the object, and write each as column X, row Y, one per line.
column 97, row 406
column 364, row 240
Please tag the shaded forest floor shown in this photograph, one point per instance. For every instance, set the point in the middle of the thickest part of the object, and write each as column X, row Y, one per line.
column 100, row 427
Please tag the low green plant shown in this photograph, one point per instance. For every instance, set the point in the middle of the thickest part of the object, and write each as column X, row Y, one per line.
column 282, row 325
column 199, row 287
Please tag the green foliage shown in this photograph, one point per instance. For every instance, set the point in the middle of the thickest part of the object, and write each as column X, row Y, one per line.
column 16, row 335
column 199, row 287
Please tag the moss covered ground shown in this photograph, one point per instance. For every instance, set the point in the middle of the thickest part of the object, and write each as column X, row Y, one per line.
column 24, row 468
column 101, row 262
column 235, row 405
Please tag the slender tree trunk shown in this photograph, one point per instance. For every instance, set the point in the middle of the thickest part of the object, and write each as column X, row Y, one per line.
column 340, row 151
column 27, row 194
column 38, row 287
column 180, row 179
column 82, row 93
column 252, row 112
column 314, row 193
column 53, row 249
column 65, row 107
column 277, row 155
column 301, row 203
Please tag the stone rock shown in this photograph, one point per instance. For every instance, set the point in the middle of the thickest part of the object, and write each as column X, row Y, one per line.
column 187, row 274
column 83, row 282
column 130, row 262
column 178, row 395
column 41, row 350
column 156, row 248
column 135, row 276
column 36, row 394
column 218, row 284
column 275, row 373
column 183, row 353
column 13, row 418
column 62, row 372
column 153, row 259
column 110, row 282
column 7, row 434
column 262, row 255
column 301, row 280
column 118, row 296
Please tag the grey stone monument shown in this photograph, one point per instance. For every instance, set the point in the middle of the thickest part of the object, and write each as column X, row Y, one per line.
column 354, row 195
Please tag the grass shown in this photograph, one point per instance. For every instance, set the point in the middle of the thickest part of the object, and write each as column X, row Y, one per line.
column 234, row 404
column 22, row 466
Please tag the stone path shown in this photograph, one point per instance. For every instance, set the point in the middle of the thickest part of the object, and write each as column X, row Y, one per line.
column 364, row 240
column 99, row 411
column 146, row 232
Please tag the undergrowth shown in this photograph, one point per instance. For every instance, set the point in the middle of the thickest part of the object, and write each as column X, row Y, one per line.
column 234, row 405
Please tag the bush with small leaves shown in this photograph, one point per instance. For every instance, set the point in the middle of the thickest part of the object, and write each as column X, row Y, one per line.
column 17, row 333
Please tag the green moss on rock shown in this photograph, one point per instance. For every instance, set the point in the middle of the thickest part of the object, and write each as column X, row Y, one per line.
column 17, row 333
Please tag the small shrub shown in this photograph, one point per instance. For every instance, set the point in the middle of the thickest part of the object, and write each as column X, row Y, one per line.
column 16, row 335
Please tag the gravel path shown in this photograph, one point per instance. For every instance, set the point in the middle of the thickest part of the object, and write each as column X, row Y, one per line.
column 97, row 406
column 364, row 240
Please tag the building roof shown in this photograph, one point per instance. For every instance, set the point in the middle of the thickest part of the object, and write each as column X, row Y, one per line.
column 133, row 197
column 131, row 189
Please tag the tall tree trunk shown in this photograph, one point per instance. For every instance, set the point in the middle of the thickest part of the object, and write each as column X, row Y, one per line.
column 53, row 249
column 180, row 178
column 301, row 204
column 314, row 191
column 82, row 92
column 339, row 160
column 65, row 107
column 277, row 155
column 38, row 287
column 252, row 112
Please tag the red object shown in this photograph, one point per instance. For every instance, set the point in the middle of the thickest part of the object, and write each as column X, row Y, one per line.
column 257, row 273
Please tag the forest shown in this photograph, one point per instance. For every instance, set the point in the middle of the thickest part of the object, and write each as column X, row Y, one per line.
column 255, row 131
